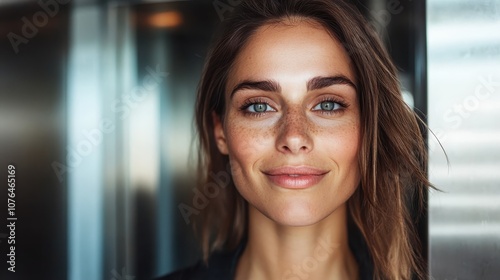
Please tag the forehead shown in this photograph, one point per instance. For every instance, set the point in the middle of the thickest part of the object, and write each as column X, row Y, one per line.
column 301, row 49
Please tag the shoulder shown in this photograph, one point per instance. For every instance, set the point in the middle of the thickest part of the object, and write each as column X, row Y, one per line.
column 220, row 266
column 193, row 272
column 361, row 251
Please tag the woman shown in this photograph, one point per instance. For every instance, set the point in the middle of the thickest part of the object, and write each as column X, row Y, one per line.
column 299, row 103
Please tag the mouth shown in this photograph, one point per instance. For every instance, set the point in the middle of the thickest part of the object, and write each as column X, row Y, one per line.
column 295, row 177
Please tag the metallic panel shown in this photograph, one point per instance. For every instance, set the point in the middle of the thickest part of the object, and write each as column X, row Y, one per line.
column 464, row 114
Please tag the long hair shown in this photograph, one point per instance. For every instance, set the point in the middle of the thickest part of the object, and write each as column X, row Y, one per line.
column 392, row 157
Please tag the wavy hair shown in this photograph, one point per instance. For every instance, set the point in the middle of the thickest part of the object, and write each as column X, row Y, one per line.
column 393, row 155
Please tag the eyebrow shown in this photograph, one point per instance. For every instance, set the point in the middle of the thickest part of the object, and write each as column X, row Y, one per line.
column 267, row 85
column 313, row 84
column 323, row 82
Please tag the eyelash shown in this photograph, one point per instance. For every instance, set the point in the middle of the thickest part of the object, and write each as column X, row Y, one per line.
column 250, row 102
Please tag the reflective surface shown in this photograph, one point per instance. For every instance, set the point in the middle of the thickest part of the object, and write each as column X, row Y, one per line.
column 464, row 113
column 32, row 137
column 133, row 72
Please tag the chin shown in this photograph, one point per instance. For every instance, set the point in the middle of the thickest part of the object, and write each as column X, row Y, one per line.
column 296, row 214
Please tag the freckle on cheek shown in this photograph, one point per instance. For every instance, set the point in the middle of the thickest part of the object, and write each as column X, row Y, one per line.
column 316, row 130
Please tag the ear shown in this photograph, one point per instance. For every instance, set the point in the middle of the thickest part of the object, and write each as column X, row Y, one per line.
column 220, row 138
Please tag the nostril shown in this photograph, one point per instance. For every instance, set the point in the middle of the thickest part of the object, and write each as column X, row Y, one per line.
column 295, row 144
column 293, row 134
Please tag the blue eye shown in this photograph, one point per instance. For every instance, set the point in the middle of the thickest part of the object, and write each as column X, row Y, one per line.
column 259, row 108
column 328, row 106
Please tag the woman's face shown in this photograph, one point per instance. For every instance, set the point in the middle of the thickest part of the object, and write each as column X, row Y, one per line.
column 292, row 123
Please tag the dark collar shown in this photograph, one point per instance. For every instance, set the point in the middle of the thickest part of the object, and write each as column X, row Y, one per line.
column 222, row 265
column 220, row 261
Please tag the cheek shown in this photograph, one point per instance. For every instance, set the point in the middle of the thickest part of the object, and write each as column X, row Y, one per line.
column 348, row 142
column 342, row 144
column 246, row 144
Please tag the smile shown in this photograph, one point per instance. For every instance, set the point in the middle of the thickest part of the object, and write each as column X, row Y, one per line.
column 290, row 177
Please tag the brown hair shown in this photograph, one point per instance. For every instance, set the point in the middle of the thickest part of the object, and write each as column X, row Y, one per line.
column 393, row 155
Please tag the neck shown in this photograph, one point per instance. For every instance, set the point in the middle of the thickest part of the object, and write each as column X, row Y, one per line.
column 319, row 251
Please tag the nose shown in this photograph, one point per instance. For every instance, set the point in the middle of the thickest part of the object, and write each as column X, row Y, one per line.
column 294, row 133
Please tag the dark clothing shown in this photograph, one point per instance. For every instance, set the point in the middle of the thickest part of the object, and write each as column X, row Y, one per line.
column 222, row 266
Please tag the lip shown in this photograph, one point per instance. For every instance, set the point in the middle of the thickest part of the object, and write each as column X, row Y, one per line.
column 295, row 177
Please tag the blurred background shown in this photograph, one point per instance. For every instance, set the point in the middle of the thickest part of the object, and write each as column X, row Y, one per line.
column 96, row 113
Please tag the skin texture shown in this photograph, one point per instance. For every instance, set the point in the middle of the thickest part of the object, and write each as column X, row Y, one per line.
column 287, row 227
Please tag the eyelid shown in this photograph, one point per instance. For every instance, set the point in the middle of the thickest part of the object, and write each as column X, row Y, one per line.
column 267, row 106
column 319, row 104
column 340, row 101
column 328, row 98
column 252, row 101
